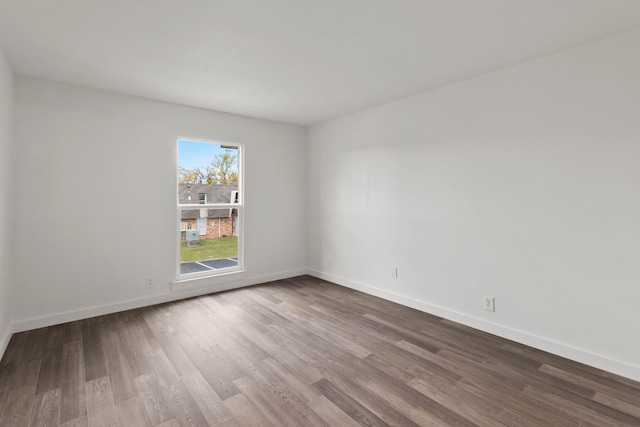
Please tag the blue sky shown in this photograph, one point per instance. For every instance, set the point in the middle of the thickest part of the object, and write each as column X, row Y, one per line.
column 195, row 154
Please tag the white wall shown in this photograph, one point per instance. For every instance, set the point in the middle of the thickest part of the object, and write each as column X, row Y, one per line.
column 6, row 209
column 521, row 184
column 95, row 182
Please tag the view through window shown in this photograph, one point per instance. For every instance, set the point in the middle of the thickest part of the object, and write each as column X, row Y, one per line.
column 209, row 207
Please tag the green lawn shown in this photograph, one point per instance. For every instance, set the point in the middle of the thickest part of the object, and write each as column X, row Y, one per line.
column 223, row 247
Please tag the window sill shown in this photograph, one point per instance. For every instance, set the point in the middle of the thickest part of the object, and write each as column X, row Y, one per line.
column 215, row 282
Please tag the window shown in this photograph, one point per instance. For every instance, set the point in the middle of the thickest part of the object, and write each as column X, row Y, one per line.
column 209, row 208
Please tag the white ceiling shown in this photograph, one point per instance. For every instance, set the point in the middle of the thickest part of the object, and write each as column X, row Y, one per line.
column 296, row 61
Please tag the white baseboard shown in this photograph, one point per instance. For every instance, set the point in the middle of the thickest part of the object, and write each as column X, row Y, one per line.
column 579, row 355
column 176, row 294
column 4, row 341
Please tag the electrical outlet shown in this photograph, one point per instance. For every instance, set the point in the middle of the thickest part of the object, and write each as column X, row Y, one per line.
column 394, row 272
column 148, row 283
column 329, row 263
column 489, row 303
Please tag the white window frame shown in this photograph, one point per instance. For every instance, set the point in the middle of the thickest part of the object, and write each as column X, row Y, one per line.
column 184, row 281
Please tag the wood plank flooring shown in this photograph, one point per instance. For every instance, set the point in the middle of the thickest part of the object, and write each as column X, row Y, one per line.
column 296, row 352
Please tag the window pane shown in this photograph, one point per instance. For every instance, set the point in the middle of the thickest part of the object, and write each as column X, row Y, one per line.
column 202, row 164
column 208, row 244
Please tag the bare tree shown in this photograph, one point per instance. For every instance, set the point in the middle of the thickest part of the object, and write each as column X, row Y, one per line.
column 222, row 170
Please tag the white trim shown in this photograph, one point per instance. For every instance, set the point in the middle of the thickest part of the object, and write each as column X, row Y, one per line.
column 4, row 341
column 212, row 282
column 586, row 357
column 70, row 316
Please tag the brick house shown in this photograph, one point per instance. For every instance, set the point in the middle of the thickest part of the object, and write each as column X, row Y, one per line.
column 211, row 223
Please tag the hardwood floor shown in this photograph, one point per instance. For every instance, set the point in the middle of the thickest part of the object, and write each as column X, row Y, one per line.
column 297, row 352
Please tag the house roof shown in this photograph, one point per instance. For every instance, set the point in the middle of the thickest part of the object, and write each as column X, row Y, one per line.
column 215, row 193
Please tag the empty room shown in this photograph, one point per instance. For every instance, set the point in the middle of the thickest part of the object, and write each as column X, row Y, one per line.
column 330, row 213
